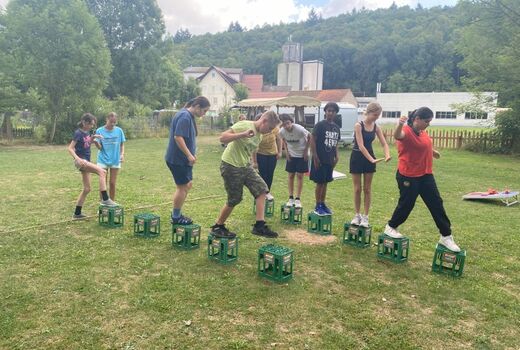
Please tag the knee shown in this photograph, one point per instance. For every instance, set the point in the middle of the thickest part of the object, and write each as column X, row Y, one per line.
column 232, row 202
column 86, row 189
column 188, row 186
column 367, row 191
column 102, row 172
column 299, row 176
column 357, row 190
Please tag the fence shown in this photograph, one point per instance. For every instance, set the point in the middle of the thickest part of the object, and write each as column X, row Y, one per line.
column 457, row 139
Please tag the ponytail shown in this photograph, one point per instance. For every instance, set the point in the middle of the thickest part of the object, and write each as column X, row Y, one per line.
column 423, row 113
column 200, row 101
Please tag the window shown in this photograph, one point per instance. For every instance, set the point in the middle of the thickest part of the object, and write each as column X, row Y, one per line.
column 475, row 115
column 213, row 74
column 309, row 120
column 391, row 114
column 445, row 115
column 215, row 100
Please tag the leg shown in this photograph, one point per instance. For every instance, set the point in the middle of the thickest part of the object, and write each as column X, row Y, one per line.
column 86, row 188
column 112, row 182
column 290, row 183
column 356, row 181
column 263, row 166
column 224, row 214
column 260, row 207
column 95, row 169
column 299, row 185
column 432, row 198
column 318, row 193
column 408, row 192
column 367, row 191
column 179, row 197
column 324, row 192
column 233, row 183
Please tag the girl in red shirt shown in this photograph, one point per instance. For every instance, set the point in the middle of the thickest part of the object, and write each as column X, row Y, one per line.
column 415, row 176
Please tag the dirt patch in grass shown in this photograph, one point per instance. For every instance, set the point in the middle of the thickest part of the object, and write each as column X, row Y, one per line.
column 304, row 237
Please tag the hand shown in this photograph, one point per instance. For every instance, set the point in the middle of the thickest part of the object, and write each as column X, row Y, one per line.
column 122, row 158
column 81, row 162
column 436, row 154
column 192, row 160
column 248, row 133
column 388, row 158
column 278, row 156
column 316, row 162
column 97, row 136
column 288, row 157
column 255, row 165
column 403, row 119
column 306, row 156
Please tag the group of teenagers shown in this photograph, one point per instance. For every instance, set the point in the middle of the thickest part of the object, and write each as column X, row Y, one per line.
column 252, row 149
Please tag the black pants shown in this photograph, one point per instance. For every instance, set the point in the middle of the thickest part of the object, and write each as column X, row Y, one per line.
column 266, row 166
column 424, row 186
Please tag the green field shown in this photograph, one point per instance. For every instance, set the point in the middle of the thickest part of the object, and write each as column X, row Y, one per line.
column 76, row 285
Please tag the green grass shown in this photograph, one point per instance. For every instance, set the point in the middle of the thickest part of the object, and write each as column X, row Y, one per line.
column 76, row 285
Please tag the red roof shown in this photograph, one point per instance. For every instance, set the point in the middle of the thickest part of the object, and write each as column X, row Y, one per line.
column 268, row 94
column 254, row 82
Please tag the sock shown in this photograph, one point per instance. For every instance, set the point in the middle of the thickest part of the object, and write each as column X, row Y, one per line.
column 176, row 213
column 104, row 194
column 78, row 210
column 259, row 223
column 297, row 198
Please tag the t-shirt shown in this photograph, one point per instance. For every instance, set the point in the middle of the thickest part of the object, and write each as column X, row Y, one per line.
column 182, row 125
column 296, row 140
column 326, row 135
column 83, row 142
column 268, row 145
column 415, row 153
column 110, row 152
column 238, row 152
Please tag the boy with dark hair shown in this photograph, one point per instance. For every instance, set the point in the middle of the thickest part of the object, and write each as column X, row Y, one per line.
column 324, row 142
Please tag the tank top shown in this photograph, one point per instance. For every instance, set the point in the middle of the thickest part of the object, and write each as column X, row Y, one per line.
column 368, row 137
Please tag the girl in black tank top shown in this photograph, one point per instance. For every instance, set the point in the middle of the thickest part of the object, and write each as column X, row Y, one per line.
column 363, row 160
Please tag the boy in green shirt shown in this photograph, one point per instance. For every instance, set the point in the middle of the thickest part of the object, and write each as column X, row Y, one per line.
column 242, row 140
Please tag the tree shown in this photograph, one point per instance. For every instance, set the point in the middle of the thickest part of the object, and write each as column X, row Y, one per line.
column 313, row 17
column 60, row 53
column 190, row 90
column 235, row 27
column 181, row 36
column 241, row 92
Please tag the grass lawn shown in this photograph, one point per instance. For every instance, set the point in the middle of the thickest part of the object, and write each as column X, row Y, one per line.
column 76, row 285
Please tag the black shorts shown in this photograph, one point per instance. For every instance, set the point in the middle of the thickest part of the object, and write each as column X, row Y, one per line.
column 297, row 165
column 182, row 174
column 321, row 175
column 359, row 164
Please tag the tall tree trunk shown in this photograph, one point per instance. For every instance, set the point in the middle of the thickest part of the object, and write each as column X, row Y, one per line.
column 53, row 130
column 6, row 130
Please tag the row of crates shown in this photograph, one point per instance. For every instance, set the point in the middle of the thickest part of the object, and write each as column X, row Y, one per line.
column 226, row 250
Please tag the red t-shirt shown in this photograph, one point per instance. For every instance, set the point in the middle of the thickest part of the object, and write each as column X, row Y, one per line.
column 415, row 153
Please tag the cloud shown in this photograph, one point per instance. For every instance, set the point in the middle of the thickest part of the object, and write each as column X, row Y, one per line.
column 202, row 16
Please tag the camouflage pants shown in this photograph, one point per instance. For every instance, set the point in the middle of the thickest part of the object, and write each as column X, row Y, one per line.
column 236, row 178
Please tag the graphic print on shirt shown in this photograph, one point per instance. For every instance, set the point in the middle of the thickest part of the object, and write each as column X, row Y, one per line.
column 331, row 140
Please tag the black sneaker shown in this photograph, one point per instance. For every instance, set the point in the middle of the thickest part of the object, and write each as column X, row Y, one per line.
column 79, row 217
column 264, row 231
column 222, row 232
column 181, row 220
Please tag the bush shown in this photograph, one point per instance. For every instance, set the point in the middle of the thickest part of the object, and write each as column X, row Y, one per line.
column 40, row 134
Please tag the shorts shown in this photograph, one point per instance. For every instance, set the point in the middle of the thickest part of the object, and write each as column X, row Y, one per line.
column 182, row 174
column 296, row 165
column 114, row 166
column 359, row 164
column 235, row 178
column 321, row 175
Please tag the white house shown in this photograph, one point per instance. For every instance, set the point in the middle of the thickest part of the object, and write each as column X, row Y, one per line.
column 397, row 104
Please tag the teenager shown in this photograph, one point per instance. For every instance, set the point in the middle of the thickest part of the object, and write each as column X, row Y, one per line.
column 79, row 149
column 415, row 176
column 180, row 154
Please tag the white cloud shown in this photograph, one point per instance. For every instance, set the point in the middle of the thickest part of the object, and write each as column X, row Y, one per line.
column 336, row 7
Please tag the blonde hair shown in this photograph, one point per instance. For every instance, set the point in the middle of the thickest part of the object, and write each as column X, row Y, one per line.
column 272, row 118
column 374, row 107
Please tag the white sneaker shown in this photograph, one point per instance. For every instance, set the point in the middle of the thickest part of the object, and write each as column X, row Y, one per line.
column 109, row 203
column 290, row 202
column 297, row 203
column 269, row 197
column 357, row 220
column 392, row 232
column 364, row 221
column 449, row 243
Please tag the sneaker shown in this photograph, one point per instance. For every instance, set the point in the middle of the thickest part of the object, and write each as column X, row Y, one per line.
column 357, row 220
column 449, row 243
column 109, row 203
column 326, row 209
column 319, row 210
column 222, row 232
column 392, row 232
column 364, row 221
column 78, row 216
column 181, row 220
column 269, row 196
column 297, row 203
column 290, row 202
column 264, row 231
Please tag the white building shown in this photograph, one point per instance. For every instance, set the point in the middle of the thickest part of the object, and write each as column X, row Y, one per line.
column 402, row 103
column 297, row 74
